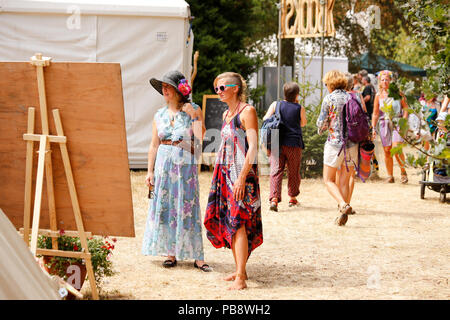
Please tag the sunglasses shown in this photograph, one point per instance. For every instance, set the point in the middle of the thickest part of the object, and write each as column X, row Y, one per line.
column 223, row 87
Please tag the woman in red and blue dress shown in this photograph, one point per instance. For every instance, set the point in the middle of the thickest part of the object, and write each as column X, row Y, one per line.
column 233, row 214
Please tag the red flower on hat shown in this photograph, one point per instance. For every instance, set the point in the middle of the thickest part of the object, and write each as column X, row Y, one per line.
column 184, row 87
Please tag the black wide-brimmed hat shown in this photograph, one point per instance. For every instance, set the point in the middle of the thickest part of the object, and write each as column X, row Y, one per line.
column 177, row 80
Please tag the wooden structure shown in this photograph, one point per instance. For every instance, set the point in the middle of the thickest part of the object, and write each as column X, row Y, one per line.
column 304, row 18
column 90, row 103
column 91, row 190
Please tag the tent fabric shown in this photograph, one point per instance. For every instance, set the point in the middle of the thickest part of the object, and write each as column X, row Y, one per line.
column 21, row 278
column 163, row 8
column 374, row 63
column 145, row 46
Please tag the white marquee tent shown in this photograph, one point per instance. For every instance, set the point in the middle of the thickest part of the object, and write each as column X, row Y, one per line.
column 147, row 37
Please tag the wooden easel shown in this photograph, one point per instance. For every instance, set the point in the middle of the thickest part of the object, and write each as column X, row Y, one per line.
column 45, row 165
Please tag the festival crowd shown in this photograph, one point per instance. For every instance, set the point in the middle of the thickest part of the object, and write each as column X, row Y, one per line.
column 351, row 115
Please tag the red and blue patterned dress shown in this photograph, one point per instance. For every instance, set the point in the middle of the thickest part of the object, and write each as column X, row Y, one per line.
column 224, row 215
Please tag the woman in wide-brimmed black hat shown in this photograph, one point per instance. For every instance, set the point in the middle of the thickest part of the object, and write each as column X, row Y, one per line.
column 173, row 227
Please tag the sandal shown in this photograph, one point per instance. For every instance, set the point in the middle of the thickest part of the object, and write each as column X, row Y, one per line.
column 293, row 202
column 204, row 267
column 390, row 179
column 169, row 263
column 274, row 205
column 404, row 179
column 342, row 219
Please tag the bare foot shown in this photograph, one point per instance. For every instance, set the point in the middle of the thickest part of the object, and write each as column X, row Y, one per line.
column 239, row 283
column 232, row 277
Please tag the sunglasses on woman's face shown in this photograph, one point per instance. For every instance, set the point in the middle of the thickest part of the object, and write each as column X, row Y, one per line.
column 223, row 87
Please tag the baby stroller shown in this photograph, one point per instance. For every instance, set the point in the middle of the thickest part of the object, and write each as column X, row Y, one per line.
column 440, row 183
column 441, row 180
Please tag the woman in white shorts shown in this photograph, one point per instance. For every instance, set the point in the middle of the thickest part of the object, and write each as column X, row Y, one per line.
column 338, row 160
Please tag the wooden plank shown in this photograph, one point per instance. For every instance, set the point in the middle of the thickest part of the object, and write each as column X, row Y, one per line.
column 39, row 63
column 89, row 98
column 70, row 180
column 61, row 253
column 28, row 178
column 75, row 204
column 37, row 137
column 50, row 192
column 51, row 233
column 38, row 195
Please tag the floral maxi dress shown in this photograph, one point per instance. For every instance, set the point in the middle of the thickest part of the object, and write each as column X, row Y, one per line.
column 173, row 224
column 224, row 215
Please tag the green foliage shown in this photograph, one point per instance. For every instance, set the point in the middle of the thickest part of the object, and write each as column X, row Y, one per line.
column 312, row 157
column 438, row 150
column 221, row 29
column 429, row 21
column 100, row 249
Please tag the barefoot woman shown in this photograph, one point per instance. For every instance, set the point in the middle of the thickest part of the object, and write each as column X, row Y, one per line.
column 233, row 214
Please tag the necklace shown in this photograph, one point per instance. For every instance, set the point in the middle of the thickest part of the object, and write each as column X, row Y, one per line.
column 172, row 115
column 234, row 111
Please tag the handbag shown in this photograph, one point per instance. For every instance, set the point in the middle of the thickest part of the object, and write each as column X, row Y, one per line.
column 366, row 150
column 270, row 129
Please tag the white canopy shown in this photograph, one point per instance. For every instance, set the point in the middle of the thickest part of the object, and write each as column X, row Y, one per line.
column 147, row 37
column 153, row 8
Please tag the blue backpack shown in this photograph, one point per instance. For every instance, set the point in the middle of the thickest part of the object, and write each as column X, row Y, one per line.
column 270, row 128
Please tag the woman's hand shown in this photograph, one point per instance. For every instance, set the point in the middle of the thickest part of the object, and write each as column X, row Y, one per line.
column 150, row 179
column 239, row 189
column 189, row 109
column 374, row 135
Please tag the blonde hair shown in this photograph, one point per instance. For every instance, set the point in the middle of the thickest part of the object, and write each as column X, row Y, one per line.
column 350, row 79
column 384, row 73
column 234, row 78
column 335, row 79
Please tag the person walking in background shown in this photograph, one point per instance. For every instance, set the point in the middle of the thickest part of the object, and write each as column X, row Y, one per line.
column 388, row 134
column 293, row 118
column 359, row 98
column 368, row 95
column 357, row 85
column 339, row 156
column 173, row 225
column 233, row 213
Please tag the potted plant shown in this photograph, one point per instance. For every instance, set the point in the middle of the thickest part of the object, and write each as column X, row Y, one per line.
column 100, row 248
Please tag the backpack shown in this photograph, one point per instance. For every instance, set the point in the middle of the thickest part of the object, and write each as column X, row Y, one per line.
column 355, row 120
column 356, row 128
column 270, row 128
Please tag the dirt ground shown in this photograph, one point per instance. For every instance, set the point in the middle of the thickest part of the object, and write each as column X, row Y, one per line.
column 395, row 247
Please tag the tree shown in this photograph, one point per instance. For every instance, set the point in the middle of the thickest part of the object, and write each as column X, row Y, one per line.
column 430, row 27
column 221, row 30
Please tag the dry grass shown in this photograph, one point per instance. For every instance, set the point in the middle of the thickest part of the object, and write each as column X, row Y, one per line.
column 395, row 247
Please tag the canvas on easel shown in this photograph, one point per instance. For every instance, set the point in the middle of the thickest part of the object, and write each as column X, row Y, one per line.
column 90, row 103
column 96, row 105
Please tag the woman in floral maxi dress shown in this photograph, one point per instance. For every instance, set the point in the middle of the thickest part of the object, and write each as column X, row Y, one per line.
column 173, row 225
column 233, row 213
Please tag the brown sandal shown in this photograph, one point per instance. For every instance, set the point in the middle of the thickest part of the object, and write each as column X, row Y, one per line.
column 345, row 211
column 404, row 179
